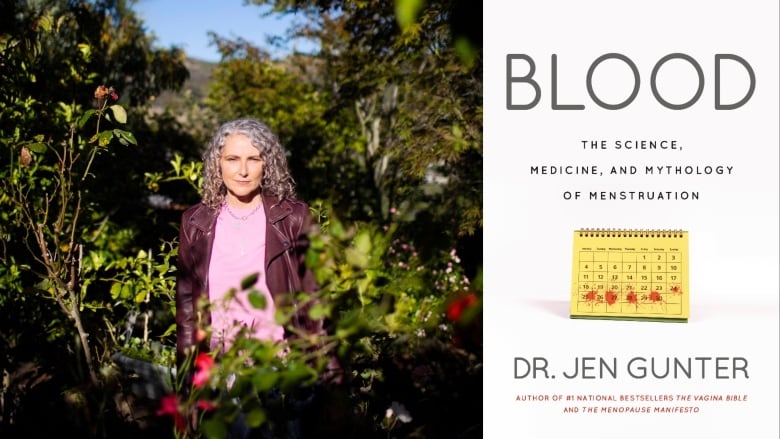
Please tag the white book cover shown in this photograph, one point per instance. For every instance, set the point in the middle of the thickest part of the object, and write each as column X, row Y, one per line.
column 631, row 115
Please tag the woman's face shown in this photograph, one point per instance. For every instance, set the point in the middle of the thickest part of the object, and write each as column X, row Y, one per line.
column 242, row 169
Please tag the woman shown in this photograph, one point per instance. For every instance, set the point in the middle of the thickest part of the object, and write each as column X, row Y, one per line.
column 248, row 222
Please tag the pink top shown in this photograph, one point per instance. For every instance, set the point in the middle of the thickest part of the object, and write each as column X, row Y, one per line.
column 239, row 251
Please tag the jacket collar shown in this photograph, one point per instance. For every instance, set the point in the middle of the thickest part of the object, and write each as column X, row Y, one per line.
column 203, row 218
column 275, row 209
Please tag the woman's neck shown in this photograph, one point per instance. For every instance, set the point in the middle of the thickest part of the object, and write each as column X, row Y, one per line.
column 248, row 202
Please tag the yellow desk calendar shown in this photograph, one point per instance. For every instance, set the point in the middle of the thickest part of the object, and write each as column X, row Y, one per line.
column 630, row 275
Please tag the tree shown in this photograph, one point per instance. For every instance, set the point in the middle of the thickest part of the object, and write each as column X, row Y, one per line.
column 393, row 113
column 63, row 67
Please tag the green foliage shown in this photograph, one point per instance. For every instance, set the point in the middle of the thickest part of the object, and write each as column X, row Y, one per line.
column 44, row 193
column 393, row 113
column 392, row 324
column 190, row 173
column 251, row 379
column 141, row 279
column 62, row 184
column 391, row 314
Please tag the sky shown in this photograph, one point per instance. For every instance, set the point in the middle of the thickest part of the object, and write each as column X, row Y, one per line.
column 186, row 23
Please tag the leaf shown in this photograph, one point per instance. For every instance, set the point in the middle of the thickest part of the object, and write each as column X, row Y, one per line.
column 230, row 294
column 264, row 380
column 296, row 374
column 362, row 286
column 105, row 137
column 257, row 299
column 46, row 22
column 38, row 147
column 363, row 242
column 281, row 317
column 171, row 330
column 318, row 311
column 96, row 259
column 66, row 110
column 60, row 21
column 127, row 292
column 351, row 323
column 214, row 428
column 337, row 230
column 120, row 115
column 126, row 137
column 162, row 268
column 86, row 50
column 249, row 281
column 116, row 290
column 85, row 117
column 406, row 12
column 355, row 258
column 256, row 418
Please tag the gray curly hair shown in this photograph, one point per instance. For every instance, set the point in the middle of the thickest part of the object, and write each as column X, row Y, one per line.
column 277, row 180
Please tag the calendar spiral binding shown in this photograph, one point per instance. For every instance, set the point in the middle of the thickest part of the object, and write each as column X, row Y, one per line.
column 632, row 233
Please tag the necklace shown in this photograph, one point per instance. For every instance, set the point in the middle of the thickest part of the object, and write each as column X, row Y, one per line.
column 244, row 217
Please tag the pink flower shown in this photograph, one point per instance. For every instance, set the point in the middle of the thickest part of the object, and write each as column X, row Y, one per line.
column 203, row 365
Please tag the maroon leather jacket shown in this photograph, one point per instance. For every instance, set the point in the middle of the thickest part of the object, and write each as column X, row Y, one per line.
column 286, row 244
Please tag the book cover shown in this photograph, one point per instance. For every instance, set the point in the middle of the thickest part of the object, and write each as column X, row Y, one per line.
column 658, row 115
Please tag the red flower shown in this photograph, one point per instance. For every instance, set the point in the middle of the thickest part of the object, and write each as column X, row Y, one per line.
column 206, row 405
column 203, row 365
column 456, row 308
column 204, row 361
column 103, row 92
column 169, row 405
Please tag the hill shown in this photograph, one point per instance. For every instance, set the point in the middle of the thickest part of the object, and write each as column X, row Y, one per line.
column 196, row 88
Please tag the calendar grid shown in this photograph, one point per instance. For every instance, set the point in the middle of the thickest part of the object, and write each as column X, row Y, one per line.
column 622, row 275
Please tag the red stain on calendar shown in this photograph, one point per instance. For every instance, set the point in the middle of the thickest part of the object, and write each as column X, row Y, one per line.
column 611, row 297
column 655, row 296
